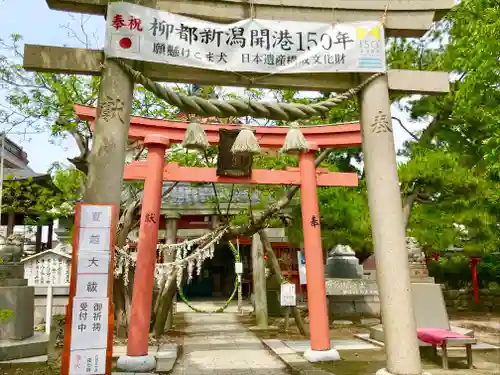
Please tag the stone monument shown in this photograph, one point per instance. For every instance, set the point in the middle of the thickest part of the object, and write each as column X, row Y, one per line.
column 416, row 261
column 428, row 301
column 17, row 338
column 348, row 294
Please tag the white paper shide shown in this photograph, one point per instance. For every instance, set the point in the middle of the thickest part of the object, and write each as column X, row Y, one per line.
column 238, row 268
column 252, row 45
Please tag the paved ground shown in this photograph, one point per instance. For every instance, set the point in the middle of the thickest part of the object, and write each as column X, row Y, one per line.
column 220, row 344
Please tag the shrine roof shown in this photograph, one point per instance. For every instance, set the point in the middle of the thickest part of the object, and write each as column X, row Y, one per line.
column 188, row 194
column 22, row 174
column 26, row 173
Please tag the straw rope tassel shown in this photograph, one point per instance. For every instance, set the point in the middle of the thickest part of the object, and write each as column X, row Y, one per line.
column 195, row 137
column 295, row 140
column 246, row 143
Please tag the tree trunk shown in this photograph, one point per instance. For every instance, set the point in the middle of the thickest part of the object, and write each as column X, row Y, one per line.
column 121, row 321
column 122, row 296
column 259, row 282
column 277, row 271
column 256, row 225
column 106, row 160
column 164, row 304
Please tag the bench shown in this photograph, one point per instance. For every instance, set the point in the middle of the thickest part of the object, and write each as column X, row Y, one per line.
column 446, row 338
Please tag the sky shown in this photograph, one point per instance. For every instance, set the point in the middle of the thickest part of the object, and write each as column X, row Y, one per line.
column 38, row 24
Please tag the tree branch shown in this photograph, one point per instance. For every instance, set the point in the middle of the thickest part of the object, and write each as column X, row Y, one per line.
column 253, row 227
column 404, row 127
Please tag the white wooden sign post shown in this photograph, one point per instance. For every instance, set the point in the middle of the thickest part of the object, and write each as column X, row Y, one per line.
column 288, row 299
column 88, row 340
column 287, row 295
column 238, row 269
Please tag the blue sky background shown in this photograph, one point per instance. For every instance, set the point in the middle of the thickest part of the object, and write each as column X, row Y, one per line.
column 39, row 25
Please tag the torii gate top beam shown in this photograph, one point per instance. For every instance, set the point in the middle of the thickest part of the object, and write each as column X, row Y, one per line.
column 334, row 136
column 404, row 18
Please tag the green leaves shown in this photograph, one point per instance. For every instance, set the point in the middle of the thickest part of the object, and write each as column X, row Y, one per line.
column 26, row 197
column 5, row 315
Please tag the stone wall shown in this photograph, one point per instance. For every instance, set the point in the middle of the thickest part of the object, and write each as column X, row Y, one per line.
column 353, row 307
column 463, row 300
column 60, row 299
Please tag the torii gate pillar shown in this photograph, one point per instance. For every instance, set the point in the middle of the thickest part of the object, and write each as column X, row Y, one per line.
column 137, row 359
column 321, row 349
column 384, row 200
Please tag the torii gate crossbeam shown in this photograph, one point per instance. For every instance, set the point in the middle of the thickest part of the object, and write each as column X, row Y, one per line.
column 324, row 136
column 138, row 170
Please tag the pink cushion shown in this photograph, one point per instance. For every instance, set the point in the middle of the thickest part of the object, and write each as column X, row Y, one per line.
column 437, row 336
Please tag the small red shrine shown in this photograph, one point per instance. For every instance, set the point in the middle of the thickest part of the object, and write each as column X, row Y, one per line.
column 158, row 135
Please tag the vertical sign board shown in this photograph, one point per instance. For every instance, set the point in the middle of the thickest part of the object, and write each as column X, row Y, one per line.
column 88, row 338
column 301, row 261
column 287, row 295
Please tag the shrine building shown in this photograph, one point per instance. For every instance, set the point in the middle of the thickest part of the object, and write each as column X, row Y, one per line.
column 194, row 213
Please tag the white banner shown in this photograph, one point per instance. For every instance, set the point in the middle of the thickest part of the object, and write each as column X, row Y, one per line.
column 139, row 33
column 89, row 325
column 302, row 267
column 92, row 285
column 91, row 362
column 95, row 216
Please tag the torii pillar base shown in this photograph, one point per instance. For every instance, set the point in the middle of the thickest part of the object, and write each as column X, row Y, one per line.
column 136, row 364
column 321, row 355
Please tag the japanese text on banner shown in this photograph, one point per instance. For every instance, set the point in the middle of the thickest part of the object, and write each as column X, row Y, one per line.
column 146, row 34
column 89, row 323
column 90, row 361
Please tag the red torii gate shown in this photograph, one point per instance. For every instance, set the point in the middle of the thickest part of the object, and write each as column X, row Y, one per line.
column 157, row 135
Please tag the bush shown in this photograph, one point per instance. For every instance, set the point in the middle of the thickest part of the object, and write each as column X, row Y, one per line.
column 455, row 272
column 489, row 271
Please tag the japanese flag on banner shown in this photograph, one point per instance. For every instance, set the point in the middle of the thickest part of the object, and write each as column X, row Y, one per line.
column 130, row 43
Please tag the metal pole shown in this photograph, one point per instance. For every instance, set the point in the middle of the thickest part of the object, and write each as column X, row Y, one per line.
column 240, row 297
column 1, row 176
column 48, row 309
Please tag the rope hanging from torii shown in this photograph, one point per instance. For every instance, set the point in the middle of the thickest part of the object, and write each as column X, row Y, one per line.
column 238, row 108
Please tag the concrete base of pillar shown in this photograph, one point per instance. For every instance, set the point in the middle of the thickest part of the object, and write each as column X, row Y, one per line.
column 322, row 355
column 384, row 371
column 143, row 363
column 263, row 328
